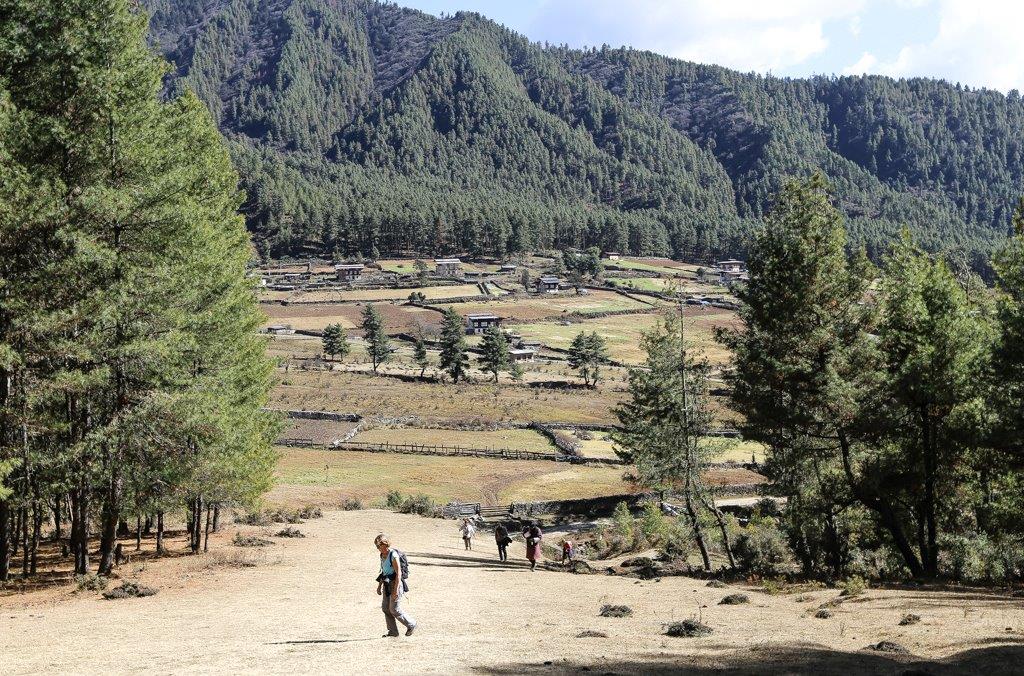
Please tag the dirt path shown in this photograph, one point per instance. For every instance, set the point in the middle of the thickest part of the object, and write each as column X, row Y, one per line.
column 311, row 609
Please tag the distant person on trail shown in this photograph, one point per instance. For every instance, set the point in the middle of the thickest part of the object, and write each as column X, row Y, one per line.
column 567, row 551
column 503, row 540
column 468, row 530
column 392, row 585
column 533, row 535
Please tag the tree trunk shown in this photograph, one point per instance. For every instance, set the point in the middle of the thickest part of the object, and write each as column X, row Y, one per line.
column 147, row 526
column 25, row 553
column 206, row 535
column 37, row 529
column 80, row 529
column 216, row 517
column 886, row 514
column 5, row 540
column 930, row 557
column 159, row 533
column 138, row 533
column 56, row 519
column 709, row 503
column 698, row 534
column 110, row 518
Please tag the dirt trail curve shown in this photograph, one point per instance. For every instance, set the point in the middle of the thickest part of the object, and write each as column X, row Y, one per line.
column 313, row 610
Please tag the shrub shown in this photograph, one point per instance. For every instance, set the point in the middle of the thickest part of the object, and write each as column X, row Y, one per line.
column 90, row 582
column 608, row 610
column 623, row 520
column 909, row 619
column 311, row 512
column 421, row 504
column 254, row 518
column 351, row 504
column 716, row 584
column 766, row 507
column 688, row 629
column 973, row 557
column 823, row 614
column 232, row 559
column 589, row 633
column 734, row 600
column 653, row 524
column 250, row 541
column 762, row 549
column 290, row 532
column 854, row 586
column 129, row 590
column 394, row 500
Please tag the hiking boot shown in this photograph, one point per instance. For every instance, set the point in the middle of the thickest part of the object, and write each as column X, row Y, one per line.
column 408, row 632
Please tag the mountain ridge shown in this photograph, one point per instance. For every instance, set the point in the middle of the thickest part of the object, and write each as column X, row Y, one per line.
column 362, row 127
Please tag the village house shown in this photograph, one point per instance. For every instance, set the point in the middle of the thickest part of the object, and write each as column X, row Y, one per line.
column 479, row 323
column 447, row 267
column 548, row 284
column 518, row 354
column 280, row 329
column 508, row 268
column 611, row 255
column 730, row 265
column 348, row 272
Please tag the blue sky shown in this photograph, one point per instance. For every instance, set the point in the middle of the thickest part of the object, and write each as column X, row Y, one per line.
column 975, row 42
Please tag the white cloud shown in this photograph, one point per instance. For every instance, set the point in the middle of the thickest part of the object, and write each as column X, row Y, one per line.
column 865, row 64
column 978, row 43
column 757, row 35
column 854, row 26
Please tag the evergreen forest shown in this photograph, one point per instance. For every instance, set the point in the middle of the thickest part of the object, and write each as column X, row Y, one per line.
column 361, row 127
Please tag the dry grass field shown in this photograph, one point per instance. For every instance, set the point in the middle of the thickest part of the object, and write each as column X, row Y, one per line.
column 622, row 333
column 348, row 392
column 307, row 605
column 372, row 295
column 327, row 477
column 517, row 439
column 539, row 306
column 397, row 318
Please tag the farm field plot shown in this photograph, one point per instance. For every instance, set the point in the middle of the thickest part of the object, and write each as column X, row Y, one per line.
column 662, row 284
column 369, row 395
column 318, row 431
column 728, row 450
column 659, row 265
column 364, row 295
column 327, row 477
column 623, row 333
column 397, row 318
column 539, row 306
column 517, row 439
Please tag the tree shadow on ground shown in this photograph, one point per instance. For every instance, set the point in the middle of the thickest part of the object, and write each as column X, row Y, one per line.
column 764, row 660
column 479, row 561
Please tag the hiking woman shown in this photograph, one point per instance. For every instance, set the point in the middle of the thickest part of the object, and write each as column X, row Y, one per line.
column 502, row 539
column 390, row 579
column 468, row 530
column 533, row 535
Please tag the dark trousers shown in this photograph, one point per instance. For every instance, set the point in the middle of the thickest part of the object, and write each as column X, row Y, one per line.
column 502, row 551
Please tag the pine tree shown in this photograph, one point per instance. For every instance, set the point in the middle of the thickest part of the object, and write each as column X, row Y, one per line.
column 453, row 358
column 586, row 354
column 664, row 425
column 335, row 341
column 377, row 343
column 420, row 356
column 495, row 357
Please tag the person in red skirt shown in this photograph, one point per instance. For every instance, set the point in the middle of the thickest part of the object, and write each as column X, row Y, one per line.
column 533, row 535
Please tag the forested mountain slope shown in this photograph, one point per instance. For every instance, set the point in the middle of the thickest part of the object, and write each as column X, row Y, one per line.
column 360, row 126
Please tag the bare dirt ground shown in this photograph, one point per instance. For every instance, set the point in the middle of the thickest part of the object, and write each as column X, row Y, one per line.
column 310, row 607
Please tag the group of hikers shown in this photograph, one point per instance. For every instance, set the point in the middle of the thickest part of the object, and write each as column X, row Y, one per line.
column 532, row 535
column 394, row 568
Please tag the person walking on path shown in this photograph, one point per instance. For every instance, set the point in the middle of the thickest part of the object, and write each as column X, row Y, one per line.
column 468, row 530
column 503, row 540
column 393, row 587
column 533, row 535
